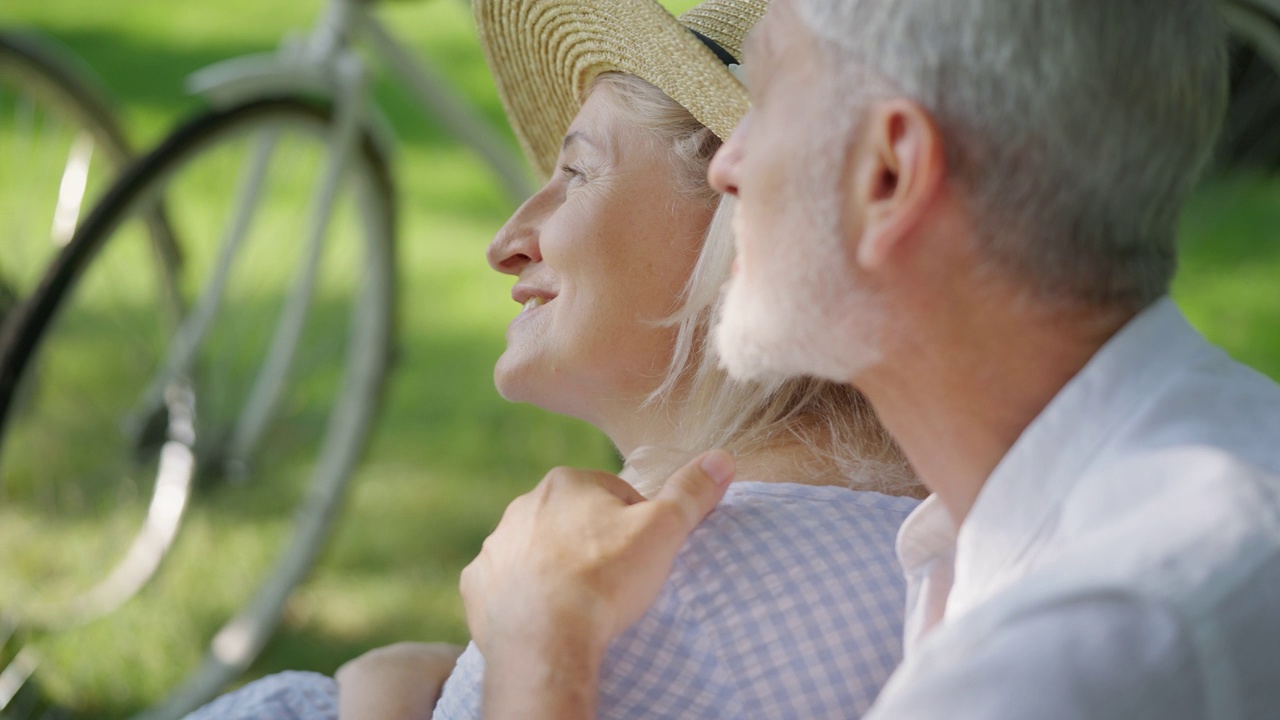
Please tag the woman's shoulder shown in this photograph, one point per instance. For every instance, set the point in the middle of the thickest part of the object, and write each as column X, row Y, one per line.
column 833, row 498
column 796, row 512
column 784, row 588
column 763, row 532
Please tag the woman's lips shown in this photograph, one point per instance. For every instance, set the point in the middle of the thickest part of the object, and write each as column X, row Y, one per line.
column 530, row 307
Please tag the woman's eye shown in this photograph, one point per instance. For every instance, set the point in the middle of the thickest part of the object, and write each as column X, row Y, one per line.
column 570, row 172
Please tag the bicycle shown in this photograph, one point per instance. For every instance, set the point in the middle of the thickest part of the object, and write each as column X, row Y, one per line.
column 269, row 380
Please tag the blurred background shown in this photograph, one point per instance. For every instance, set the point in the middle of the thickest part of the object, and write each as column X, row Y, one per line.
column 447, row 453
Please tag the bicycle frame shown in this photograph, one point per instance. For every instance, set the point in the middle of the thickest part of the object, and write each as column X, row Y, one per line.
column 322, row 63
column 309, row 66
column 1248, row 20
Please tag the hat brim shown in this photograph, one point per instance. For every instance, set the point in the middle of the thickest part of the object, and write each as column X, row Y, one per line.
column 544, row 54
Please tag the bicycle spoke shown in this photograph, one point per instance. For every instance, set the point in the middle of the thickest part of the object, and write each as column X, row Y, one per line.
column 196, row 325
column 275, row 369
column 16, row 674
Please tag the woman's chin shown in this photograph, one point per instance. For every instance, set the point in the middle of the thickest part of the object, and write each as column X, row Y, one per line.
column 507, row 382
column 517, row 381
column 518, row 385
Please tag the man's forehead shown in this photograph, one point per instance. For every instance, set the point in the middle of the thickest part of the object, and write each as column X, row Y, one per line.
column 767, row 39
column 758, row 44
column 755, row 49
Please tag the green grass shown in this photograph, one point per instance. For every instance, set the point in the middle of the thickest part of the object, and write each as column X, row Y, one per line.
column 448, row 453
column 1229, row 282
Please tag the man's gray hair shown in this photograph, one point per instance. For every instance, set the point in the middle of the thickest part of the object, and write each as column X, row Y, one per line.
column 1075, row 129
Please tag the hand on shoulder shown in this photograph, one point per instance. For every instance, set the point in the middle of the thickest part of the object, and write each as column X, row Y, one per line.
column 580, row 558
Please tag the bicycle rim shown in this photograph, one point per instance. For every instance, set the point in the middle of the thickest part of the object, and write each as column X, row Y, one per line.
column 1251, row 132
column 59, row 148
column 255, row 519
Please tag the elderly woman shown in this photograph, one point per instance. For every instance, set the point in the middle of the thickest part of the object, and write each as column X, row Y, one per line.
column 787, row 601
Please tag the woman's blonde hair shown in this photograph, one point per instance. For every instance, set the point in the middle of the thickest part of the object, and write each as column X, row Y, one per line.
column 843, row 442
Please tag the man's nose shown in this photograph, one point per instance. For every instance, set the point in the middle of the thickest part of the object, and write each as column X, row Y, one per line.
column 723, row 171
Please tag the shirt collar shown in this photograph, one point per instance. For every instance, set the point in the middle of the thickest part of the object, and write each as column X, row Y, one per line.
column 927, row 534
column 1020, row 500
column 926, row 549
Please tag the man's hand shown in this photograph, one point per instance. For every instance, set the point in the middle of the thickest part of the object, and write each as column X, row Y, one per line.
column 396, row 682
column 573, row 564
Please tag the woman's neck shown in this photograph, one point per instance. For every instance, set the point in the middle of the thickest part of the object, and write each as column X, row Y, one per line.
column 789, row 461
column 657, row 441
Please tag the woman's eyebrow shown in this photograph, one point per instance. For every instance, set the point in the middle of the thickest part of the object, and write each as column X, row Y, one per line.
column 575, row 136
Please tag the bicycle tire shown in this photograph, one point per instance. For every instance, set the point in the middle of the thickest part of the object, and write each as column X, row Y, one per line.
column 364, row 359
column 44, row 90
column 1251, row 131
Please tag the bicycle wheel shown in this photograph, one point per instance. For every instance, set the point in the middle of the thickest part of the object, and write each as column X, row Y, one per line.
column 1251, row 134
column 59, row 147
column 263, row 393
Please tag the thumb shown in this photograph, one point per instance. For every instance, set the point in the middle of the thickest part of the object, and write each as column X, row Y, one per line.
column 695, row 489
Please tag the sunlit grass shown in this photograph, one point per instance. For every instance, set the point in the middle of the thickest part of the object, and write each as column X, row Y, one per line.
column 1229, row 283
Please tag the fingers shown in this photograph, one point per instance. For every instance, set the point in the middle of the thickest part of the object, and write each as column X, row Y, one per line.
column 582, row 484
column 694, row 490
column 585, row 545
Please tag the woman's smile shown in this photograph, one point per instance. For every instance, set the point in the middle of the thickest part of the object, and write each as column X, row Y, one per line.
column 531, row 300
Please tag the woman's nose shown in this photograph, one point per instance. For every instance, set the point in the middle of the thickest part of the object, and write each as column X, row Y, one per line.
column 516, row 244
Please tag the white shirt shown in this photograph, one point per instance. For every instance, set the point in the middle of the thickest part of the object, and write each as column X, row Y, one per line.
column 1123, row 559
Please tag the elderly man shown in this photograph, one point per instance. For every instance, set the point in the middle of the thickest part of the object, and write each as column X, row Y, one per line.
column 967, row 208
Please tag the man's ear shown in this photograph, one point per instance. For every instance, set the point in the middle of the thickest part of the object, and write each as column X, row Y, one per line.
column 899, row 166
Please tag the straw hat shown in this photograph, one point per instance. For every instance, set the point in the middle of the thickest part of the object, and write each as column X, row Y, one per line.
column 545, row 53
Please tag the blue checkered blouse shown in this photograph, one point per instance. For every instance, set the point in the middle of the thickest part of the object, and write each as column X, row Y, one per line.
column 786, row 603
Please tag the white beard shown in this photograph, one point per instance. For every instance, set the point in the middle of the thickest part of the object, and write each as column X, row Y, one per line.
column 810, row 320
column 805, row 313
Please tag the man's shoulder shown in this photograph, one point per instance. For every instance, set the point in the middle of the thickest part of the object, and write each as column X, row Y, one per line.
column 1162, row 567
column 1186, row 526
column 1161, row 492
column 1193, row 468
column 1209, row 401
column 1168, row 560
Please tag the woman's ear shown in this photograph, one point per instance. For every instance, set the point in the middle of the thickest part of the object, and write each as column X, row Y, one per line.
column 899, row 166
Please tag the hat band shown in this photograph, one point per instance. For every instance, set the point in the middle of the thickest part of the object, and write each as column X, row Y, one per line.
column 722, row 54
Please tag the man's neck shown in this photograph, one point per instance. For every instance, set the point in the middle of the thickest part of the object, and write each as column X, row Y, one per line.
column 957, row 406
